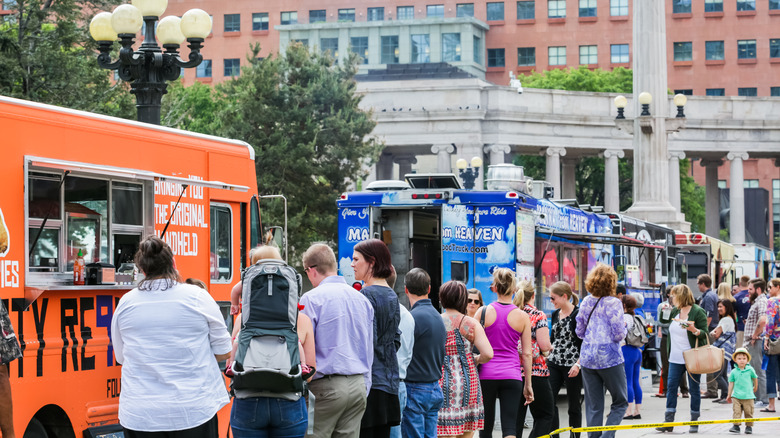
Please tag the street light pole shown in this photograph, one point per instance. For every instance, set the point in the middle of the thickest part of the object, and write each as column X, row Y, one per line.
column 149, row 69
column 468, row 174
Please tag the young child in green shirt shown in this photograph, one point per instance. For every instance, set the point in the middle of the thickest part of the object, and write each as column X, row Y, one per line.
column 743, row 383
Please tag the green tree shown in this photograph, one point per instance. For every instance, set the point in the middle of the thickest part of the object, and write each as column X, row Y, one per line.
column 47, row 55
column 590, row 170
column 301, row 113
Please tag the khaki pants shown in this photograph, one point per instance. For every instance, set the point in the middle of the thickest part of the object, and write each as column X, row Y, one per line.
column 339, row 403
column 743, row 405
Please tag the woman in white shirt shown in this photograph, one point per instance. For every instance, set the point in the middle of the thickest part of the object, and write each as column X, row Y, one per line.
column 169, row 336
column 725, row 336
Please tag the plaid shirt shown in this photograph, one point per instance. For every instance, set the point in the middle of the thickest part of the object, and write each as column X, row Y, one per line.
column 757, row 310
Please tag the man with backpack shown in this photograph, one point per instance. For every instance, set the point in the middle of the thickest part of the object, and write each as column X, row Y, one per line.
column 343, row 321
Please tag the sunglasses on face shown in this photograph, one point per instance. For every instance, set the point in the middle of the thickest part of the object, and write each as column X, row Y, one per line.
column 471, row 301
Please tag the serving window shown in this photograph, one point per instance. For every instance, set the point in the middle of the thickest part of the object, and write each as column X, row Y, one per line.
column 101, row 216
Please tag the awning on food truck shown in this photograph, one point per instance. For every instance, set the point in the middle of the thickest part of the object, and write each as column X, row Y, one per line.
column 598, row 238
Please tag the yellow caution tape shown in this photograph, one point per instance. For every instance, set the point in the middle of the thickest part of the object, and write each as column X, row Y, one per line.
column 653, row 425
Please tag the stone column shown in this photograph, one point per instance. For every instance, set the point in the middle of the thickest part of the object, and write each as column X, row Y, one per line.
column 553, row 172
column 404, row 162
column 497, row 153
column 737, row 197
column 568, row 178
column 711, row 197
column 674, row 179
column 384, row 167
column 612, row 180
column 443, row 154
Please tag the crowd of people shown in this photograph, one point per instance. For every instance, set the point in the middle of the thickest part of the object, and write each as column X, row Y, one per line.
column 379, row 369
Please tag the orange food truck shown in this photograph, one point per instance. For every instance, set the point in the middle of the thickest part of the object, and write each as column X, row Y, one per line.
column 80, row 182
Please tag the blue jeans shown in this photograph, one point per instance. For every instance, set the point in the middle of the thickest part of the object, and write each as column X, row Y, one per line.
column 421, row 414
column 395, row 431
column 261, row 417
column 772, row 375
column 676, row 372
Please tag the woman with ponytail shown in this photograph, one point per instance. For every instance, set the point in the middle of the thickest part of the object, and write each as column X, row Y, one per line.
column 563, row 361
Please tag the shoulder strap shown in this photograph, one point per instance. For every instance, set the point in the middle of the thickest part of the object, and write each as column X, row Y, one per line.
column 482, row 317
column 591, row 312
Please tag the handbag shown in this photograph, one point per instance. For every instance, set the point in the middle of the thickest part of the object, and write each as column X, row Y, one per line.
column 774, row 346
column 706, row 359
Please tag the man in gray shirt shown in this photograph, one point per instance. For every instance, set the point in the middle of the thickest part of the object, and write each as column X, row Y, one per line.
column 709, row 302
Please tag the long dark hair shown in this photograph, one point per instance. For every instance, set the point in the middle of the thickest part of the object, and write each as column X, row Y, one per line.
column 728, row 306
column 375, row 251
column 453, row 295
column 155, row 259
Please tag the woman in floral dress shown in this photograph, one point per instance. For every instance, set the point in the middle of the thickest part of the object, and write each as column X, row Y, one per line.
column 462, row 411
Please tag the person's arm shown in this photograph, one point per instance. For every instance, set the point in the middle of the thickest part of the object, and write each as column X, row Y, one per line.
column 617, row 324
column 760, row 327
column 771, row 314
column 483, row 345
column 116, row 336
column 699, row 326
column 235, row 298
column 717, row 332
column 582, row 321
column 526, row 357
column 306, row 335
column 731, row 389
column 755, row 385
column 543, row 338
column 219, row 338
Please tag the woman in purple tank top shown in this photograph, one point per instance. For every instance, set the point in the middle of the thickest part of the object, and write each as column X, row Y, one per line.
column 501, row 377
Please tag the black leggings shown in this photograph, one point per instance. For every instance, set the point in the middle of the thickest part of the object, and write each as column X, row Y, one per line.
column 542, row 408
column 559, row 375
column 510, row 393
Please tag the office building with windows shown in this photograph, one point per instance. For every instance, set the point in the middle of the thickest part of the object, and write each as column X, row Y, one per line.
column 715, row 47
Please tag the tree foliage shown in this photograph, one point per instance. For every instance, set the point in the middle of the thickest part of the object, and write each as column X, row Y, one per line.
column 590, row 170
column 47, row 55
column 300, row 112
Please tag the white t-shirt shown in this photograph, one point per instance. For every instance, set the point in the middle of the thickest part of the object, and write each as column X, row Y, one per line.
column 166, row 339
column 727, row 324
column 679, row 338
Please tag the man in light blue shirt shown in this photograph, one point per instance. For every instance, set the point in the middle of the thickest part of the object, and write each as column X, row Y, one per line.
column 343, row 321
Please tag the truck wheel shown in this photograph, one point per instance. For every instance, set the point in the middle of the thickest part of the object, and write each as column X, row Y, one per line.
column 35, row 430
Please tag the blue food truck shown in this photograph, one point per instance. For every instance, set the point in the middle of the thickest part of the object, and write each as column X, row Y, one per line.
column 430, row 222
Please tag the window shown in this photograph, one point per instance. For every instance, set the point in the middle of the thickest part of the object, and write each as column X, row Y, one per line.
column 260, row 21
column 221, row 258
column 716, row 91
column 317, row 16
column 774, row 91
column 347, row 15
column 435, row 11
column 359, row 45
column 556, row 8
column 232, row 22
column 589, row 55
column 79, row 215
column 774, row 5
column 747, row 91
column 232, row 67
column 495, row 11
column 526, row 56
column 495, row 58
column 722, row 184
column 713, row 51
column 290, row 17
column 390, row 49
column 750, row 183
column 450, row 47
column 375, row 14
column 681, row 6
column 556, row 55
column 746, row 49
column 302, row 41
column 587, row 8
column 477, row 49
column 618, row 8
column 330, row 45
column 464, row 10
column 204, row 69
column 526, row 10
column 713, row 5
column 421, row 48
column 405, row 13
column 685, row 91
column 746, row 5
column 774, row 48
column 618, row 53
column 683, row 51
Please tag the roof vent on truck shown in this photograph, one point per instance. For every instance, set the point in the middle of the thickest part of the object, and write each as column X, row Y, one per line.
column 387, row 185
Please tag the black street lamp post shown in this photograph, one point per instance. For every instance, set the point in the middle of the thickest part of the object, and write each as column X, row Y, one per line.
column 149, row 69
column 469, row 175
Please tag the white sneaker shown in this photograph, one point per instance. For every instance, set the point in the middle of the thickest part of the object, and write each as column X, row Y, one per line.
column 760, row 404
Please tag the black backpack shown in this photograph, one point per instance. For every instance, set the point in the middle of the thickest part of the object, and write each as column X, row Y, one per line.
column 267, row 358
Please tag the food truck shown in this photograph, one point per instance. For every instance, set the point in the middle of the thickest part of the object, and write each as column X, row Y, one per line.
column 76, row 182
column 430, row 222
column 702, row 254
column 754, row 260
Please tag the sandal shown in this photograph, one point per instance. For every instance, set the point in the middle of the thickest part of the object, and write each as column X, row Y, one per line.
column 767, row 410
